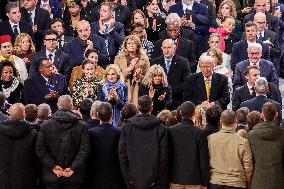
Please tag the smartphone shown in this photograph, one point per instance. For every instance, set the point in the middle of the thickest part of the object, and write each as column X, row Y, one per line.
column 277, row 8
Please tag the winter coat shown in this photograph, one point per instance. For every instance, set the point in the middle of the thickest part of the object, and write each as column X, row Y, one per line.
column 18, row 157
column 63, row 140
column 267, row 146
column 143, row 152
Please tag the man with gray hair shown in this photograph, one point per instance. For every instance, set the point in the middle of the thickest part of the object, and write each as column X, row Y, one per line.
column 63, row 147
column 44, row 112
column 267, row 68
column 261, row 90
column 207, row 87
column 94, row 121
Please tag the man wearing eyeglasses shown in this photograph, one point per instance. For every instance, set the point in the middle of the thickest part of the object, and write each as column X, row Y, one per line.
column 267, row 68
column 59, row 59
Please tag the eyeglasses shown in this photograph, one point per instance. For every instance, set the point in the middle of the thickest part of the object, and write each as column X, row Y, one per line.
column 253, row 53
column 262, row 22
column 50, row 40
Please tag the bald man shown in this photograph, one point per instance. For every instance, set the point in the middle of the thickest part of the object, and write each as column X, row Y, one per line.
column 17, row 143
column 176, row 67
column 85, row 40
column 207, row 88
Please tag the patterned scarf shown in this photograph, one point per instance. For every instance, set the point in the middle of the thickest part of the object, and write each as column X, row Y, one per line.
column 118, row 86
column 9, row 87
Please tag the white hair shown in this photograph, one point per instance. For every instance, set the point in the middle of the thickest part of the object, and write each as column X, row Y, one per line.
column 255, row 45
column 261, row 85
column 169, row 41
column 206, row 58
column 259, row 14
column 173, row 18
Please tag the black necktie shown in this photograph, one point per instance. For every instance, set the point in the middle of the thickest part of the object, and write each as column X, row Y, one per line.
column 50, row 57
column 16, row 32
column 30, row 18
column 60, row 46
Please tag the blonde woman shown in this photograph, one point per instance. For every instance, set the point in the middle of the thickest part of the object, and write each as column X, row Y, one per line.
column 134, row 64
column 156, row 86
column 113, row 90
column 24, row 48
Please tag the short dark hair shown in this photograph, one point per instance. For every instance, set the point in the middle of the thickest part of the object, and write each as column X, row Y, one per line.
column 86, row 62
column 187, row 109
column 85, row 106
column 253, row 118
column 2, row 99
column 249, row 24
column 31, row 112
column 50, row 32
column 89, row 51
column 10, row 64
column 241, row 115
column 57, row 20
column 247, row 70
column 129, row 110
column 41, row 61
column 213, row 114
column 104, row 111
column 144, row 104
column 11, row 5
column 269, row 111
column 228, row 118
column 135, row 25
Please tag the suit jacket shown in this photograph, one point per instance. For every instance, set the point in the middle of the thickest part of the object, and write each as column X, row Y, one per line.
column 185, row 48
column 184, row 32
column 56, row 8
column 178, row 72
column 61, row 62
column 257, row 102
column 272, row 21
column 267, row 70
column 35, row 89
column 242, row 94
column 239, row 52
column 195, row 90
column 42, row 21
column 6, row 29
column 66, row 39
column 200, row 16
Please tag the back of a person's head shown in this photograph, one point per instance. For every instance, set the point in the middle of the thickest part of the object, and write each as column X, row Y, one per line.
column 65, row 102
column 44, row 111
column 17, row 111
column 94, row 107
column 85, row 106
column 129, row 110
column 187, row 109
column 228, row 118
column 261, row 86
column 31, row 111
column 253, row 118
column 269, row 111
column 167, row 118
column 242, row 114
column 213, row 114
column 145, row 104
column 2, row 99
column 105, row 112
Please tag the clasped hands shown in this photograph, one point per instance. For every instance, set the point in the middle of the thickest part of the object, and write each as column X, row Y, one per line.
column 59, row 172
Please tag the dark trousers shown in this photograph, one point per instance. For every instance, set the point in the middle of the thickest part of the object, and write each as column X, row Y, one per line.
column 215, row 186
column 63, row 186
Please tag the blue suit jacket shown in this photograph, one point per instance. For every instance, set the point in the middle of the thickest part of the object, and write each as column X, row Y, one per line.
column 267, row 70
column 25, row 27
column 239, row 52
column 257, row 102
column 56, row 8
column 201, row 17
column 35, row 89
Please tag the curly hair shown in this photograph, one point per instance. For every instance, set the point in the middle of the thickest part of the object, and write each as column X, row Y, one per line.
column 117, row 70
column 9, row 64
column 155, row 70
column 232, row 8
column 139, row 50
column 19, row 38
column 167, row 118
column 138, row 11
column 218, row 53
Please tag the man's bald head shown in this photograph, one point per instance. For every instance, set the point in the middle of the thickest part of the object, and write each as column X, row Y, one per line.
column 84, row 30
column 228, row 118
column 17, row 111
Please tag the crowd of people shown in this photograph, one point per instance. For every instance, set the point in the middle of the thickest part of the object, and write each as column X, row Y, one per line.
column 141, row 94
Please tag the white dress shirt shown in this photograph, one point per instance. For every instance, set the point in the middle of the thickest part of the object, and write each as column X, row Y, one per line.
column 13, row 24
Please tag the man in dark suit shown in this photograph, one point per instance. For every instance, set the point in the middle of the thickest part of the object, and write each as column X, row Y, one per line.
column 58, row 25
column 13, row 26
column 195, row 17
column 239, row 50
column 85, row 40
column 185, row 47
column 45, row 87
column 267, row 68
column 110, row 30
column 260, row 6
column 207, row 88
column 247, row 91
column 54, row 7
column 261, row 90
column 177, row 69
column 268, row 37
column 59, row 59
column 39, row 19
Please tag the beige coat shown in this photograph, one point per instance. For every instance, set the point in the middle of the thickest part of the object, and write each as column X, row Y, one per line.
column 132, row 85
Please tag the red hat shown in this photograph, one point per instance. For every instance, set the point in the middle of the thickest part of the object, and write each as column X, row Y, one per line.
column 5, row 38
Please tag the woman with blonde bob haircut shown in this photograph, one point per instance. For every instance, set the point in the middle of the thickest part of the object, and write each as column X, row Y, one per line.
column 113, row 90
column 155, row 85
column 24, row 48
column 134, row 64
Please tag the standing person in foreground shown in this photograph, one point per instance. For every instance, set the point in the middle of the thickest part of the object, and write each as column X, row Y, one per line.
column 189, row 151
column 63, row 147
column 17, row 160
column 230, row 156
column 146, row 133
column 267, row 145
